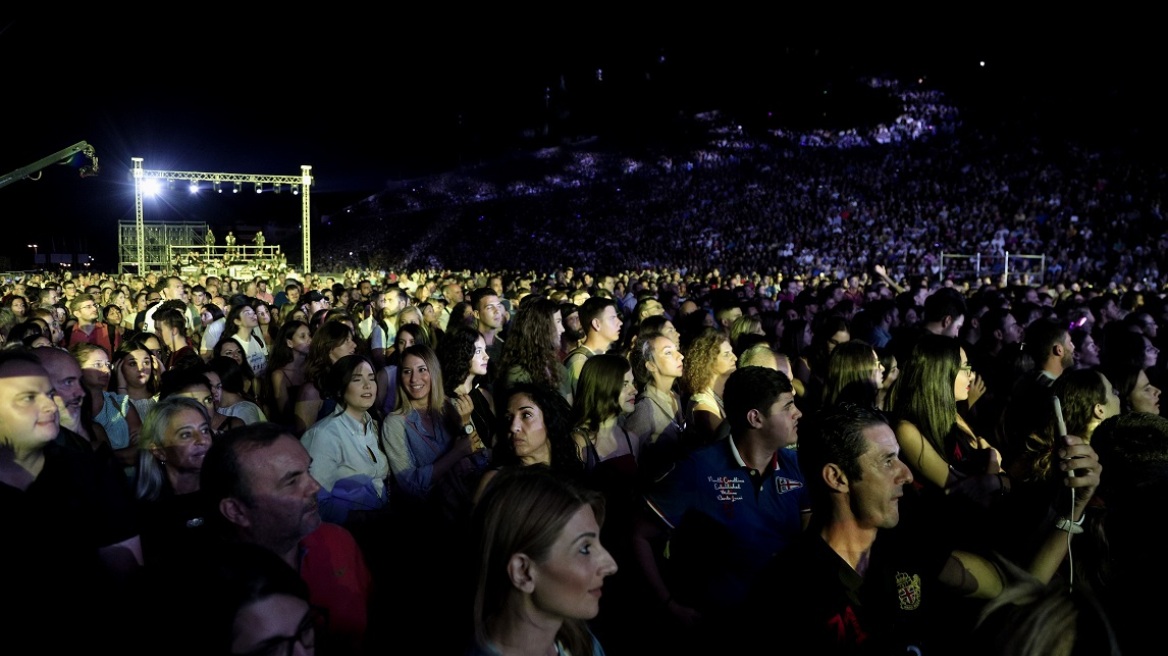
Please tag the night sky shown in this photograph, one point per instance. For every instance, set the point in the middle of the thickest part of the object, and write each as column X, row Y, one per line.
column 366, row 99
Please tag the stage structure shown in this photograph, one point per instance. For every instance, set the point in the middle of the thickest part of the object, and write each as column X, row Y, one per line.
column 298, row 184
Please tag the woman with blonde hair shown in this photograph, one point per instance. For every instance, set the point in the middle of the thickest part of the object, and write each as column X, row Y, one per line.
column 709, row 360
column 428, row 438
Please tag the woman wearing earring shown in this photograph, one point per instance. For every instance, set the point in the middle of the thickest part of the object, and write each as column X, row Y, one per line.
column 529, row 529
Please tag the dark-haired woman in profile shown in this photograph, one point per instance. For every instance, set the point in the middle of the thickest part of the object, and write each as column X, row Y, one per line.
column 464, row 361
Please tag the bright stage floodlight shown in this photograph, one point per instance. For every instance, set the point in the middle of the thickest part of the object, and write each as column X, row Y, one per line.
column 194, row 186
column 295, row 190
column 238, row 187
column 259, row 187
column 217, row 187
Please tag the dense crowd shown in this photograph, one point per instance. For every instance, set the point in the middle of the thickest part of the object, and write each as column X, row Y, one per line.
column 721, row 400
column 904, row 193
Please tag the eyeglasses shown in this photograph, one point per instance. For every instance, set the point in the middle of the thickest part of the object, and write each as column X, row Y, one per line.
column 103, row 366
column 87, row 306
column 286, row 645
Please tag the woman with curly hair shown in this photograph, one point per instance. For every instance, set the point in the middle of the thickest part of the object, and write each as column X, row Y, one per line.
column 536, row 429
column 709, row 361
column 463, row 358
column 530, row 353
column 1086, row 398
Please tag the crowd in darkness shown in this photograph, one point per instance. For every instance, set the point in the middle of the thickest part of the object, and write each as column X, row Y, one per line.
column 900, row 194
column 744, row 396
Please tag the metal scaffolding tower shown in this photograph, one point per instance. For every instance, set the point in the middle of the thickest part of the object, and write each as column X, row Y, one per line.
column 299, row 184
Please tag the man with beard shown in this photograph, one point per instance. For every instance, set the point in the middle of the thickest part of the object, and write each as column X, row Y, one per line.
column 257, row 476
column 573, row 330
column 1047, row 343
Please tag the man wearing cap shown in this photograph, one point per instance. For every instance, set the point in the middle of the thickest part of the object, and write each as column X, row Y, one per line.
column 314, row 302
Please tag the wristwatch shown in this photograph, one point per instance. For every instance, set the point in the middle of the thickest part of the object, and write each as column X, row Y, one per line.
column 468, row 429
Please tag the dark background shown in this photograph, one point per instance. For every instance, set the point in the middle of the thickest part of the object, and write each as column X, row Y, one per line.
column 371, row 99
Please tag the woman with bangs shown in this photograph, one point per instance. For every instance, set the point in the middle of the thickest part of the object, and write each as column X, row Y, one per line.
column 138, row 372
column 347, row 459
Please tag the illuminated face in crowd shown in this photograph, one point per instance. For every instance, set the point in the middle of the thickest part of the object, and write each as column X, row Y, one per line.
column 361, row 391
column 415, row 376
column 628, row 393
column 478, row 361
column 667, row 358
column 726, row 362
column 185, row 441
column 528, row 431
column 570, row 579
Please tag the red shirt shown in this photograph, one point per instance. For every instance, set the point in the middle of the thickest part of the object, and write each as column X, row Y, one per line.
column 99, row 336
column 332, row 565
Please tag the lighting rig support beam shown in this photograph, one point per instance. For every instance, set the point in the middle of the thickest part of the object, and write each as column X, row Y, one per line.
column 304, row 180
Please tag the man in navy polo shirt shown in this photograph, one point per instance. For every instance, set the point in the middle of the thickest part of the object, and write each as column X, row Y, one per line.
column 726, row 509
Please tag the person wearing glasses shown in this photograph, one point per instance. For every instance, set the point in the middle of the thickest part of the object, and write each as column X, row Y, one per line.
column 956, row 470
column 88, row 326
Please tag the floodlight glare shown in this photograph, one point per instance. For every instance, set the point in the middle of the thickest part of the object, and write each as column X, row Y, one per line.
column 259, row 187
column 194, row 186
column 238, row 187
column 217, row 187
column 295, row 190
